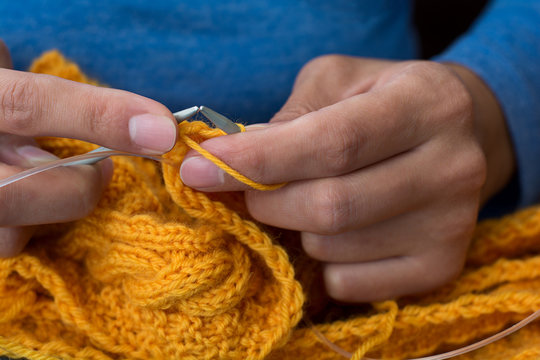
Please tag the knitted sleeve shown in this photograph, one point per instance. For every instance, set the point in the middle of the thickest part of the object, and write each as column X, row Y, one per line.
column 503, row 48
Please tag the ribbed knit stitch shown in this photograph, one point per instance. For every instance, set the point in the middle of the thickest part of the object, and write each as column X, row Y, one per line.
column 161, row 271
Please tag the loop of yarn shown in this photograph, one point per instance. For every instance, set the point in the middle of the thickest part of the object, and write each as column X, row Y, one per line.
column 161, row 271
column 186, row 131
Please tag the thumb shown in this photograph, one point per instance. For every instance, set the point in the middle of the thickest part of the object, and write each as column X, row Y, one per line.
column 42, row 105
column 327, row 80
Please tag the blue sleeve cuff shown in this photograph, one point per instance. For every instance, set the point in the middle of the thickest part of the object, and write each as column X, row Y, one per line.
column 503, row 48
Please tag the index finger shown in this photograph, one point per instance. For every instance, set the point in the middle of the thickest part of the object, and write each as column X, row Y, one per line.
column 43, row 105
column 332, row 141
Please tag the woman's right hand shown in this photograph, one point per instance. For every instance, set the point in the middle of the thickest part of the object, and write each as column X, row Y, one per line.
column 41, row 105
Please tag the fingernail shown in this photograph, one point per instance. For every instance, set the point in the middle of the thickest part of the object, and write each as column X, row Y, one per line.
column 34, row 155
column 199, row 172
column 153, row 133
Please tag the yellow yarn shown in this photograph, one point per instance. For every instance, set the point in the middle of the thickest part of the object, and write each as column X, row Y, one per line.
column 161, row 271
column 184, row 134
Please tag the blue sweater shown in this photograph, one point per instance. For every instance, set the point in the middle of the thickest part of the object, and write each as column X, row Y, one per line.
column 503, row 48
column 241, row 56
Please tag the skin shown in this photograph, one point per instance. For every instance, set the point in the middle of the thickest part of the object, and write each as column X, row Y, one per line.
column 387, row 164
column 39, row 105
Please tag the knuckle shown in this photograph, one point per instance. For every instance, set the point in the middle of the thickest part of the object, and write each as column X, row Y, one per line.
column 466, row 171
column 462, row 99
column 322, row 66
column 99, row 113
column 325, row 62
column 473, row 172
column 422, row 75
column 451, row 101
column 342, row 155
column 17, row 104
column 427, row 72
column 459, row 106
column 331, row 208
column 293, row 108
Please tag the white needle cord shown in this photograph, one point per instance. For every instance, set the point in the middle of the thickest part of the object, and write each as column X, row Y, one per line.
column 447, row 355
column 68, row 161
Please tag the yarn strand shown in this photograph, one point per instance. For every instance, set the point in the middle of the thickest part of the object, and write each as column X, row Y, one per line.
column 235, row 174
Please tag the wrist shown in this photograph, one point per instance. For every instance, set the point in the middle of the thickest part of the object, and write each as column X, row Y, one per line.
column 490, row 130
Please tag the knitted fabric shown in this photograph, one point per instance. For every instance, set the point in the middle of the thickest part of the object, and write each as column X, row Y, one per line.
column 161, row 271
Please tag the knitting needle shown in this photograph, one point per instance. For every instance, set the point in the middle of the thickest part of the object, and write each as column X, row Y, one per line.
column 186, row 114
column 94, row 156
column 180, row 116
column 220, row 121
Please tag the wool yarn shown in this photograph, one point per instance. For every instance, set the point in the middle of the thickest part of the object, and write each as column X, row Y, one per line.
column 161, row 271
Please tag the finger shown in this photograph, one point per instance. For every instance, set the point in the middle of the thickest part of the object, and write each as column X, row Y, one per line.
column 335, row 140
column 436, row 226
column 374, row 194
column 319, row 84
column 395, row 237
column 392, row 277
column 42, row 105
column 339, row 204
column 59, row 195
column 13, row 240
column 5, row 58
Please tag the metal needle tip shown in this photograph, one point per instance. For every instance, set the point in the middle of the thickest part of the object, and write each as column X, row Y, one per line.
column 222, row 122
column 186, row 114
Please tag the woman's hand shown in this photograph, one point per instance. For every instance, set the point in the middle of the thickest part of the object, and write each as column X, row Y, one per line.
column 386, row 163
column 40, row 105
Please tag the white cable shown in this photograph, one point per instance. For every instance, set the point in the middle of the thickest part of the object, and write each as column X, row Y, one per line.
column 447, row 355
column 69, row 161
